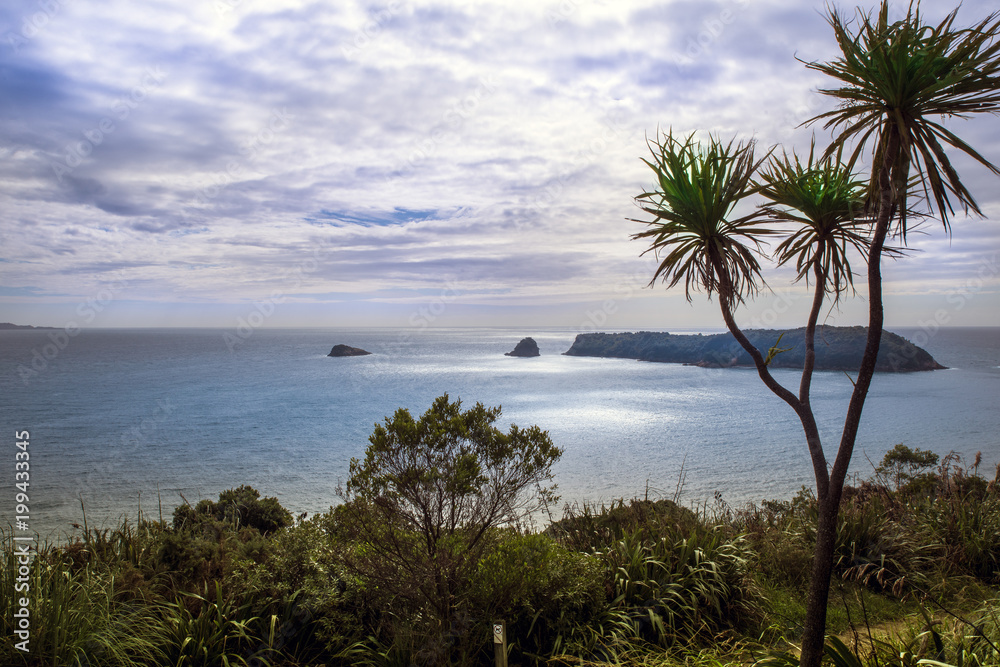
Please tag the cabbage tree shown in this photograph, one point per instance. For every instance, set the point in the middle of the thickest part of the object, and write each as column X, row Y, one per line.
column 896, row 80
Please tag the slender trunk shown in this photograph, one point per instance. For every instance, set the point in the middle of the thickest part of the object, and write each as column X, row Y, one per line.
column 816, row 453
column 809, row 364
column 802, row 409
column 814, row 634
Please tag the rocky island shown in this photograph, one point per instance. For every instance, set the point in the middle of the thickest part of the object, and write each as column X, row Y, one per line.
column 837, row 349
column 527, row 347
column 347, row 351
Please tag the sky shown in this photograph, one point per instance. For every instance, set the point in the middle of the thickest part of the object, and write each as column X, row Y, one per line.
column 232, row 163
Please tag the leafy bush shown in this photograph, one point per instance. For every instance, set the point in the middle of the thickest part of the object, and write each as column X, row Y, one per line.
column 906, row 469
column 679, row 590
column 422, row 509
column 543, row 591
column 75, row 616
column 587, row 528
column 237, row 508
column 204, row 632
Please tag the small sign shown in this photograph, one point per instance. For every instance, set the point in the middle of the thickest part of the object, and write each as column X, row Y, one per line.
column 498, row 633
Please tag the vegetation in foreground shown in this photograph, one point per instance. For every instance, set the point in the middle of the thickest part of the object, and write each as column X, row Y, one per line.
column 431, row 545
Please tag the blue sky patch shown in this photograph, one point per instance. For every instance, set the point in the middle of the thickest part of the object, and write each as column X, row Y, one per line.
column 397, row 216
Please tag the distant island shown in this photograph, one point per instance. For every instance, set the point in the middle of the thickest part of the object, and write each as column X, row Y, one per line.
column 527, row 347
column 347, row 351
column 837, row 349
column 7, row 326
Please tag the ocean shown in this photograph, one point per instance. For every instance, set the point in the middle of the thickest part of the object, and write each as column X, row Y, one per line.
column 130, row 420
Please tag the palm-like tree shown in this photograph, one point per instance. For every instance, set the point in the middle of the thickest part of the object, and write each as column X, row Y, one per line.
column 700, row 240
column 897, row 79
column 826, row 202
column 702, row 243
column 698, row 188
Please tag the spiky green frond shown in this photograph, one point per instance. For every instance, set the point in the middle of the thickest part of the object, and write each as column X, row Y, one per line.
column 827, row 204
column 697, row 189
column 895, row 78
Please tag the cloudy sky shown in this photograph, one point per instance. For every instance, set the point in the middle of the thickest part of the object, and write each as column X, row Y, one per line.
column 167, row 162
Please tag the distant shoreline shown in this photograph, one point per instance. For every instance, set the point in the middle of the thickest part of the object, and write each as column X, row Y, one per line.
column 7, row 326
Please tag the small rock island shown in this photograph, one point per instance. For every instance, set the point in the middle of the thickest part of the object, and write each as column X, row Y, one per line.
column 347, row 351
column 526, row 348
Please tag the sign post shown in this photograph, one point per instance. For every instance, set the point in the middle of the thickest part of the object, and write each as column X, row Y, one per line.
column 500, row 643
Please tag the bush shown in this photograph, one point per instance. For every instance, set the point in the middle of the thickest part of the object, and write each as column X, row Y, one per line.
column 544, row 592
column 588, row 528
column 681, row 590
column 237, row 508
column 422, row 509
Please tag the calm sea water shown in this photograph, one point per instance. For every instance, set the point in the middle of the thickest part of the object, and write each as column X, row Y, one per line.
column 130, row 419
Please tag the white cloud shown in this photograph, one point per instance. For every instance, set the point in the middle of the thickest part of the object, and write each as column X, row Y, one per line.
column 206, row 149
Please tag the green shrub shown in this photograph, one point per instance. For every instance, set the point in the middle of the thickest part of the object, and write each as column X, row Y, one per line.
column 75, row 616
column 680, row 590
column 543, row 591
column 204, row 632
column 906, row 469
column 237, row 508
column 423, row 508
column 968, row 528
column 588, row 528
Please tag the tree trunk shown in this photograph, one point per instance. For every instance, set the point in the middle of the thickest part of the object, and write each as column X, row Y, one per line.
column 814, row 633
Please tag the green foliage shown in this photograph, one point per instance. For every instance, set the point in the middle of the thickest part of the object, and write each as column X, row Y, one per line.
column 588, row 528
column 423, row 509
column 680, row 590
column 826, row 201
column 929, row 643
column 671, row 576
column 896, row 76
column 75, row 616
column 634, row 582
column 205, row 632
column 905, row 467
column 237, row 508
column 697, row 188
column 545, row 591
column 967, row 526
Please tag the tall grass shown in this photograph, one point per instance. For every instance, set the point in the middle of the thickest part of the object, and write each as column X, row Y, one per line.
column 679, row 590
column 75, row 616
